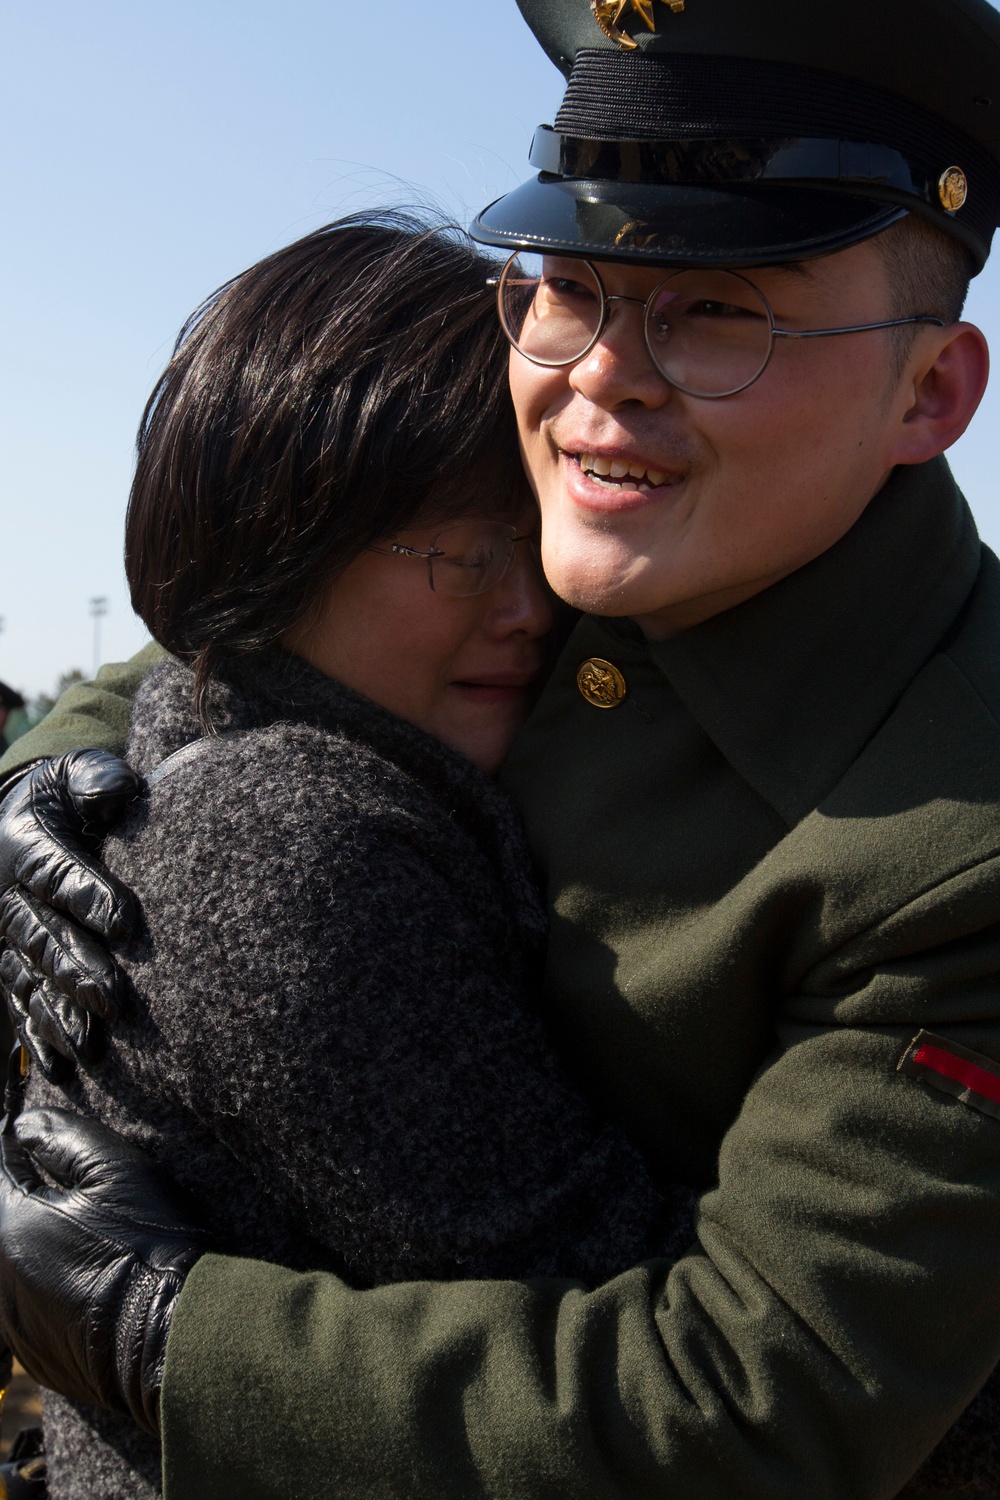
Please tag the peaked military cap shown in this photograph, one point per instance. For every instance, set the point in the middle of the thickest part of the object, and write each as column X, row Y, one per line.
column 749, row 132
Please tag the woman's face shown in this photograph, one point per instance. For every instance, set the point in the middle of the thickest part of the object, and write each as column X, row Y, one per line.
column 459, row 668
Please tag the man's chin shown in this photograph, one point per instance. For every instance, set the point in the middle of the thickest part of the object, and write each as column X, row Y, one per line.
column 608, row 570
column 596, row 593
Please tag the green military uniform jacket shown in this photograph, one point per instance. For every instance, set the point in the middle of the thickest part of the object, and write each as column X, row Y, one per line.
column 770, row 867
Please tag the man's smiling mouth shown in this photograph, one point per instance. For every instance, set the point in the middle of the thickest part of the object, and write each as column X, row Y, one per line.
column 621, row 474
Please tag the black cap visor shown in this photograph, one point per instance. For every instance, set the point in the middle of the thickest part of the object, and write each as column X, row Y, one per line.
column 674, row 225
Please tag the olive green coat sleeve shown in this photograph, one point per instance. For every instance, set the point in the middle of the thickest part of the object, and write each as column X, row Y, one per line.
column 92, row 715
column 756, row 1369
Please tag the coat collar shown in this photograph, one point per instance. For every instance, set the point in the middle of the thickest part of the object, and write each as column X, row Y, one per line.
column 791, row 684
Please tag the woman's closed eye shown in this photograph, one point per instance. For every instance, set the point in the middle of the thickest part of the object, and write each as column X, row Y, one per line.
column 477, row 557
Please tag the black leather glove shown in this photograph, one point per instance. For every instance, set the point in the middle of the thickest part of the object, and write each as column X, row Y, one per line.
column 91, row 1268
column 59, row 906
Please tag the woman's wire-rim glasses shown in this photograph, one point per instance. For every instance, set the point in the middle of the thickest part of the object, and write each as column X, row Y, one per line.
column 472, row 557
column 730, row 338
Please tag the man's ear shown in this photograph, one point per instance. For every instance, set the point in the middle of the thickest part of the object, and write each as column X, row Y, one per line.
column 939, row 392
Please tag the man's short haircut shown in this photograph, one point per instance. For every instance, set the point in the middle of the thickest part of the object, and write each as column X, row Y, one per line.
column 927, row 272
column 336, row 393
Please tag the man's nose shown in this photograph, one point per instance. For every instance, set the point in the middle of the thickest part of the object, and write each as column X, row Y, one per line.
column 522, row 602
column 619, row 370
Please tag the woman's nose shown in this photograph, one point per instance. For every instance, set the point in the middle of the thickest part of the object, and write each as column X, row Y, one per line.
column 618, row 370
column 522, row 602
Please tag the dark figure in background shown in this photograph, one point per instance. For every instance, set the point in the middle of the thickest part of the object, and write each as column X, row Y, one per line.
column 10, row 699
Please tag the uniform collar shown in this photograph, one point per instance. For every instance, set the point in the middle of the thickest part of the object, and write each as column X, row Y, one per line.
column 791, row 684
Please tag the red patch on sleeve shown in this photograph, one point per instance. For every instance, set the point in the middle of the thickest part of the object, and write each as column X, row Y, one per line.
column 966, row 1075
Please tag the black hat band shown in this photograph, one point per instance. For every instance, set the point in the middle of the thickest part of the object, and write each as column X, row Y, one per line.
column 656, row 96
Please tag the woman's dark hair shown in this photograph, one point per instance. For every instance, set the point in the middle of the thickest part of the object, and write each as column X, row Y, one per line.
column 329, row 396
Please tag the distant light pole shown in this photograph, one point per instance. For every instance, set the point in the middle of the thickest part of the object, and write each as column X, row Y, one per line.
column 98, row 609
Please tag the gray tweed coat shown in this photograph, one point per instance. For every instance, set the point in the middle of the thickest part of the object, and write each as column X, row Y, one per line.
column 332, row 1044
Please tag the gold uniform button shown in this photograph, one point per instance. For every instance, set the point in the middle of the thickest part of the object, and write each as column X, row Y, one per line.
column 601, row 683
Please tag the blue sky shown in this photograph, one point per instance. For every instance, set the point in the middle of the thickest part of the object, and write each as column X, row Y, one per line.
column 152, row 151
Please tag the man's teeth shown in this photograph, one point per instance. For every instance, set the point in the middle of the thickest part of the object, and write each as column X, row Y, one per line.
column 611, row 471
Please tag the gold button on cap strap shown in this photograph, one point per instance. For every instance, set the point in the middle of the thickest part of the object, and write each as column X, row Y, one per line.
column 601, row 683
column 953, row 190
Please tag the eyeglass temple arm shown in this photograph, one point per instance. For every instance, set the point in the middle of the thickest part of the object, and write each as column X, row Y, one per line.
column 826, row 333
column 402, row 551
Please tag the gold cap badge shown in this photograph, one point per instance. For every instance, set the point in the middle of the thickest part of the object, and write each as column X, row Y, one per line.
column 607, row 14
column 953, row 189
column 601, row 683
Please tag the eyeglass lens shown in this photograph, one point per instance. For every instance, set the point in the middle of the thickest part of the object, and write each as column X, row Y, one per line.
column 470, row 557
column 708, row 332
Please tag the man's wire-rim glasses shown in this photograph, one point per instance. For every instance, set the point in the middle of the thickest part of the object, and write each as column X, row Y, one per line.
column 709, row 333
column 465, row 558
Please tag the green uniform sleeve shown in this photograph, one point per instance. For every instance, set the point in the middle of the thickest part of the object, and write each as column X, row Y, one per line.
column 89, row 715
column 843, row 1309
